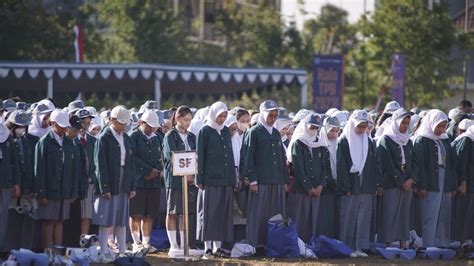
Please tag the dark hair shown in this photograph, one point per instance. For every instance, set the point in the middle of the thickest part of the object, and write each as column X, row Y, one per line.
column 183, row 110
column 465, row 103
column 241, row 112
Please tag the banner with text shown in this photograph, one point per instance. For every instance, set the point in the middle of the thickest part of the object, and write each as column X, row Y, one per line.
column 328, row 82
column 398, row 78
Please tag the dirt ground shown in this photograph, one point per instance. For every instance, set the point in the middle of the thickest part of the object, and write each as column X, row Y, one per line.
column 163, row 259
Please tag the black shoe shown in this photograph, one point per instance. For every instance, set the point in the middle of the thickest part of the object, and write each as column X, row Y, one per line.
column 221, row 253
column 260, row 252
column 208, row 255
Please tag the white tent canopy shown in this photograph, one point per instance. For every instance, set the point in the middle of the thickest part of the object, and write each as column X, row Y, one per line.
column 171, row 78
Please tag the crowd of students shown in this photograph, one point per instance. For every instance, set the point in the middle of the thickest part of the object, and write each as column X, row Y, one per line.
column 355, row 176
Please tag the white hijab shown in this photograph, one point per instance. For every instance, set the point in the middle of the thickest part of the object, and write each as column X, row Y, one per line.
column 4, row 133
column 429, row 123
column 303, row 134
column 236, row 139
column 392, row 130
column 215, row 110
column 198, row 120
column 332, row 147
column 35, row 128
column 262, row 120
column 281, row 124
column 469, row 133
column 358, row 144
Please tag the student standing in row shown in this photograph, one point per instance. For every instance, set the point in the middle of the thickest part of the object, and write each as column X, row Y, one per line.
column 357, row 174
column 177, row 139
column 329, row 211
column 395, row 156
column 308, row 159
column 464, row 220
column 266, row 170
column 113, row 158
column 216, row 180
column 148, row 165
column 436, row 171
column 54, row 183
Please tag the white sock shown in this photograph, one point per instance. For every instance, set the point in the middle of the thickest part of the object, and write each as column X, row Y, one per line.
column 111, row 237
column 207, row 245
column 172, row 239
column 146, row 240
column 120, row 232
column 181, row 239
column 217, row 245
column 136, row 237
column 104, row 233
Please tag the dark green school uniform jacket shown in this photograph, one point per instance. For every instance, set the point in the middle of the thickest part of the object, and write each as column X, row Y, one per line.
column 25, row 165
column 146, row 156
column 309, row 169
column 173, row 142
column 107, row 164
column 465, row 161
column 215, row 158
column 426, row 159
column 389, row 154
column 350, row 182
column 87, row 158
column 27, row 179
column 9, row 164
column 265, row 159
column 55, row 168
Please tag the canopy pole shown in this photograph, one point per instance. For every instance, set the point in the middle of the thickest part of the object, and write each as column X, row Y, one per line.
column 304, row 94
column 50, row 88
column 158, row 92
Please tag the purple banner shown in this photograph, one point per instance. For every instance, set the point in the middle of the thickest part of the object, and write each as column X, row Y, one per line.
column 328, row 82
column 398, row 78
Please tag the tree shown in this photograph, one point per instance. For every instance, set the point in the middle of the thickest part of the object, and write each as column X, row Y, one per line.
column 424, row 36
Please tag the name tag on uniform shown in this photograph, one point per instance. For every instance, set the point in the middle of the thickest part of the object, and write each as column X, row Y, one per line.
column 184, row 163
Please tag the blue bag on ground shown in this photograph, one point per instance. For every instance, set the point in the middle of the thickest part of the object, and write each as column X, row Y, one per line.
column 325, row 247
column 282, row 238
column 159, row 239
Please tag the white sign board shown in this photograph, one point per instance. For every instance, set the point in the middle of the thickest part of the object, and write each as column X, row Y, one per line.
column 184, row 163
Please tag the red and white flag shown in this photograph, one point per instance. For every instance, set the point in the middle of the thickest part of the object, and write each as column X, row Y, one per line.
column 78, row 44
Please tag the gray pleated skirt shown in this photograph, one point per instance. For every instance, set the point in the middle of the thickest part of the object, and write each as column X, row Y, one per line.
column 328, row 215
column 215, row 210
column 356, row 211
column 304, row 211
column 113, row 211
column 395, row 215
column 56, row 210
column 4, row 202
column 87, row 203
column 436, row 215
column 268, row 202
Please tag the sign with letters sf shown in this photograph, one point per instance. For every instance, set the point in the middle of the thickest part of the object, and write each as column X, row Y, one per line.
column 184, row 163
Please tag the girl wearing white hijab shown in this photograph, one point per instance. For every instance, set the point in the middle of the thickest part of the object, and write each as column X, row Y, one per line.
column 463, row 213
column 357, row 179
column 216, row 179
column 199, row 120
column 308, row 157
column 395, row 156
column 266, row 170
column 282, row 124
column 329, row 209
column 437, row 178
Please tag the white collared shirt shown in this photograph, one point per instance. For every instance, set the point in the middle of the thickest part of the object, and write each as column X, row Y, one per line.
column 120, row 140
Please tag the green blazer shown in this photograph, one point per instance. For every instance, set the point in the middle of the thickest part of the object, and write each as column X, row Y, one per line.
column 215, row 158
column 55, row 168
column 390, row 161
column 146, row 156
column 25, row 164
column 107, row 164
column 173, row 142
column 426, row 159
column 9, row 164
column 465, row 161
column 264, row 157
column 350, row 182
column 309, row 169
